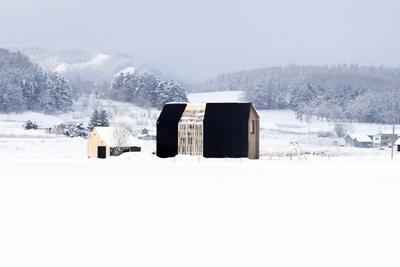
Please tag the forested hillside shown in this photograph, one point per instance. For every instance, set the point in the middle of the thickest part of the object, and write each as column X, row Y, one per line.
column 345, row 92
column 25, row 86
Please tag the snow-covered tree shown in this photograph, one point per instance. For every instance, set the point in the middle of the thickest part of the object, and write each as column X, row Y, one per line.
column 145, row 89
column 56, row 94
column 11, row 99
column 103, row 119
column 24, row 86
column 98, row 118
column 93, row 120
column 341, row 92
column 169, row 91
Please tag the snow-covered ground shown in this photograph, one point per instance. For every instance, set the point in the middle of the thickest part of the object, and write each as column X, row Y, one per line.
column 152, row 212
column 14, row 140
column 59, row 208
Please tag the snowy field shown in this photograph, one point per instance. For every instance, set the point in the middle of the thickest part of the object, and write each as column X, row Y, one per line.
column 59, row 208
column 280, row 127
column 150, row 212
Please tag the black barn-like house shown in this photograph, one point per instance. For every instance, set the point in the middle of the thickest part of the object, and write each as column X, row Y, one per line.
column 212, row 130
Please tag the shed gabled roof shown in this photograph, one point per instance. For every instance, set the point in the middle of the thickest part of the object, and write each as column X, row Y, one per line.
column 397, row 142
column 109, row 136
column 362, row 138
column 384, row 134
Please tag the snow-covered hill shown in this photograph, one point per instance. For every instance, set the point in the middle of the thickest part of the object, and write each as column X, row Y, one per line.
column 83, row 65
column 222, row 96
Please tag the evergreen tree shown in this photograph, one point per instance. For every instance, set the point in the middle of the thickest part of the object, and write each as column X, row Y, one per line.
column 103, row 119
column 169, row 91
column 56, row 95
column 98, row 118
column 93, row 120
column 11, row 99
column 24, row 86
column 146, row 90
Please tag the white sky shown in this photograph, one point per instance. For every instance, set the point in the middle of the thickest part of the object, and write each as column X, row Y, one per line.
column 195, row 40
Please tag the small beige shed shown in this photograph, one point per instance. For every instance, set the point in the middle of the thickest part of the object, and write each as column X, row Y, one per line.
column 110, row 141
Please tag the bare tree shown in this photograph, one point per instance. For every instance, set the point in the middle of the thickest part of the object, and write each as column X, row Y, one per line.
column 340, row 130
column 120, row 139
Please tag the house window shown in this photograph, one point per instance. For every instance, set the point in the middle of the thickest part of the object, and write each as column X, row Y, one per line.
column 253, row 127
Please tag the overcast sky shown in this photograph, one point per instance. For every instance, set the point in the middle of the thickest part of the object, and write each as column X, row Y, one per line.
column 194, row 40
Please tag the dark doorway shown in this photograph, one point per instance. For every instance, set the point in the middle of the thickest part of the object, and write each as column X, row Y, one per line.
column 101, row 152
column 398, row 148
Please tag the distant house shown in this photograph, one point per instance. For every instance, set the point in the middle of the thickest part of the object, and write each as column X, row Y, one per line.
column 397, row 145
column 383, row 139
column 212, row 130
column 110, row 141
column 362, row 141
column 349, row 141
column 147, row 135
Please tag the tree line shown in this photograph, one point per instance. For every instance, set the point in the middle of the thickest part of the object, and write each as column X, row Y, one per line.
column 146, row 90
column 341, row 92
column 24, row 86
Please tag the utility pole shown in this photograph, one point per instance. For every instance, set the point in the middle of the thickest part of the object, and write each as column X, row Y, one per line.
column 393, row 141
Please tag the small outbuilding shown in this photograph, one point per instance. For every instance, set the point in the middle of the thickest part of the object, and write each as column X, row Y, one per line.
column 348, row 140
column 110, row 141
column 212, row 130
column 362, row 141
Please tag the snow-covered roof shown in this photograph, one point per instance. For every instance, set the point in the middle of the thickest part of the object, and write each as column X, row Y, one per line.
column 362, row 138
column 397, row 142
column 112, row 136
column 212, row 97
column 380, row 134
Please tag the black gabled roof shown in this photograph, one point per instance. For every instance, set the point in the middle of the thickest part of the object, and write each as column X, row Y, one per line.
column 221, row 110
column 171, row 112
column 167, row 129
